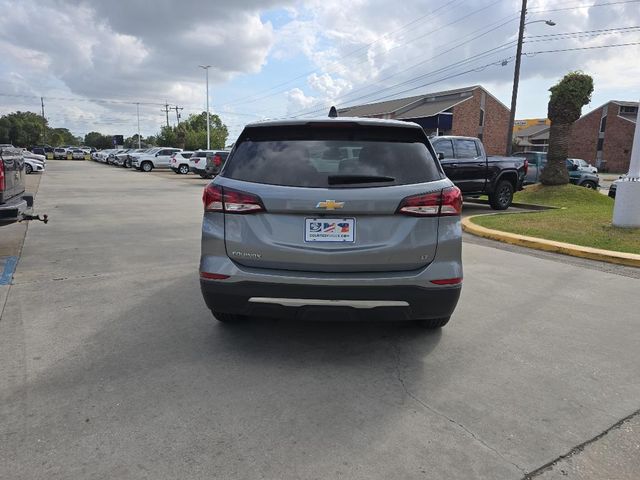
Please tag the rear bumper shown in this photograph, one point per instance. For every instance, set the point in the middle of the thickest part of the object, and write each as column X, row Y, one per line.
column 12, row 211
column 325, row 302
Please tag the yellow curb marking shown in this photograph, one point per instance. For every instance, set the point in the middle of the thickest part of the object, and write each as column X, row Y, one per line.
column 620, row 258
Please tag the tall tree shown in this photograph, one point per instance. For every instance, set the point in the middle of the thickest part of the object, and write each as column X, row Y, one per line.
column 568, row 97
column 22, row 129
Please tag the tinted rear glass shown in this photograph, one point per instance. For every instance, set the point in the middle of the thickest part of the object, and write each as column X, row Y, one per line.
column 307, row 156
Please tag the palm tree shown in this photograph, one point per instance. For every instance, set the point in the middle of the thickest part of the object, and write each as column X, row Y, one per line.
column 568, row 97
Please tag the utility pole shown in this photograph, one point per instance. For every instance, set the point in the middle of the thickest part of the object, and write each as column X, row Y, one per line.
column 138, row 115
column 176, row 108
column 516, row 79
column 44, row 123
column 166, row 111
column 206, row 69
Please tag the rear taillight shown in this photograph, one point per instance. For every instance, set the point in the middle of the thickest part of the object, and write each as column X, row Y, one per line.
column 447, row 202
column 217, row 160
column 1, row 176
column 217, row 199
column 526, row 166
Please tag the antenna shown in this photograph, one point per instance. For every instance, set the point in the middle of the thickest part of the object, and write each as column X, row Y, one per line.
column 333, row 113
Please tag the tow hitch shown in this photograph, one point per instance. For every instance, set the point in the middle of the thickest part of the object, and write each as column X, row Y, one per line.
column 28, row 217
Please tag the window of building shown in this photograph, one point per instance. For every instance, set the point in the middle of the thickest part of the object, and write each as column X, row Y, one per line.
column 626, row 110
column 603, row 124
column 482, row 117
column 600, row 143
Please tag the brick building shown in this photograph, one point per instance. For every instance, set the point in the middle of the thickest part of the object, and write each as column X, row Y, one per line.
column 604, row 136
column 470, row 111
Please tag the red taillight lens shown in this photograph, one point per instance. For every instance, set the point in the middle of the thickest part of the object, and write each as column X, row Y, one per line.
column 1, row 176
column 212, row 198
column 217, row 160
column 447, row 202
column 213, row 276
column 217, row 199
column 448, row 281
column 526, row 166
column 241, row 202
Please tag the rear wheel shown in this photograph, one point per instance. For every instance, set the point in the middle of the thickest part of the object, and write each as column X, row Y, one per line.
column 147, row 166
column 228, row 317
column 589, row 184
column 28, row 168
column 502, row 197
column 433, row 323
column 183, row 169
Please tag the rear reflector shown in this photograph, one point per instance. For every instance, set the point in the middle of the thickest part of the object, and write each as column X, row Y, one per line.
column 217, row 199
column 448, row 281
column 447, row 202
column 213, row 276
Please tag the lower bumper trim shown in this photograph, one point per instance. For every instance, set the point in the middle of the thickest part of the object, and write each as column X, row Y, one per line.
column 303, row 302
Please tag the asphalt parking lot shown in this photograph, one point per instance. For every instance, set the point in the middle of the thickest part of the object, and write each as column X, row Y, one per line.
column 112, row 367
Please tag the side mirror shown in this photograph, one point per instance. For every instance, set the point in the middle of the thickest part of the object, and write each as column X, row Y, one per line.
column 440, row 155
column 157, row 154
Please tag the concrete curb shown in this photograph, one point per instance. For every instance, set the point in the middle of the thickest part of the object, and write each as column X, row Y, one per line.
column 620, row 258
column 524, row 206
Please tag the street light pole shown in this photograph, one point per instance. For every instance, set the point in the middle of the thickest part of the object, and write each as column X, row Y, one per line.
column 138, row 114
column 206, row 69
column 516, row 79
column 516, row 73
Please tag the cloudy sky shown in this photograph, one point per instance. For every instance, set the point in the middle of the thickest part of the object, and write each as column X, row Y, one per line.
column 93, row 60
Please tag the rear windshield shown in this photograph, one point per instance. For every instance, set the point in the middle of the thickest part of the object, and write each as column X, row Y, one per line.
column 186, row 154
column 332, row 157
column 201, row 154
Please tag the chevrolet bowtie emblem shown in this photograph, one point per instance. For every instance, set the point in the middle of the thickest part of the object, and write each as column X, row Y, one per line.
column 330, row 204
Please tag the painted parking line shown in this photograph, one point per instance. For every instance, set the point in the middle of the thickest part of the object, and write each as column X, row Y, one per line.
column 7, row 268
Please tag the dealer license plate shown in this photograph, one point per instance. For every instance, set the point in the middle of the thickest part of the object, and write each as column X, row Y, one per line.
column 330, row 230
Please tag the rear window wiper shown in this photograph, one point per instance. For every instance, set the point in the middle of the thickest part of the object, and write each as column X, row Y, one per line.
column 349, row 179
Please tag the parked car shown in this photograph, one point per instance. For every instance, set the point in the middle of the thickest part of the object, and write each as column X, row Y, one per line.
column 14, row 202
column 59, row 153
column 32, row 165
column 295, row 228
column 180, row 162
column 468, row 166
column 583, row 165
column 207, row 163
column 120, row 158
column 157, row 158
column 77, row 154
column 613, row 188
column 537, row 161
column 42, row 150
column 131, row 153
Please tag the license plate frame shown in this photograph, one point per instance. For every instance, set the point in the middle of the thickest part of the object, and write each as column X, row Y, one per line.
column 331, row 230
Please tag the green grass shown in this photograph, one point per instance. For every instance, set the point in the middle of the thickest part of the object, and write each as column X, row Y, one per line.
column 585, row 219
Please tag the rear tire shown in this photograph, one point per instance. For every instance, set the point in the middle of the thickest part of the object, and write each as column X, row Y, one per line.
column 228, row 317
column 502, row 196
column 147, row 166
column 589, row 184
column 434, row 323
column 183, row 169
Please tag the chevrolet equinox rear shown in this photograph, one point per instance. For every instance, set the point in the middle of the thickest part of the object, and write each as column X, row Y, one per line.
column 335, row 218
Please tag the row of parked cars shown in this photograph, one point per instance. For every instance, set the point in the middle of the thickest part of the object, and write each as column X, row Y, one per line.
column 206, row 163
column 62, row 153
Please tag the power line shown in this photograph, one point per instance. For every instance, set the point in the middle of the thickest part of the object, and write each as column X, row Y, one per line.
column 581, row 6
column 342, row 57
column 431, row 32
column 581, row 48
column 585, row 31
column 585, row 34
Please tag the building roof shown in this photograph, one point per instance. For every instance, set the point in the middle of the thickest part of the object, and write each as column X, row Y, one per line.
column 625, row 103
column 425, row 105
column 531, row 131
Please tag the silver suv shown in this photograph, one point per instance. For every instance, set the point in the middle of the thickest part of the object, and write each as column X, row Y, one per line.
column 343, row 217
